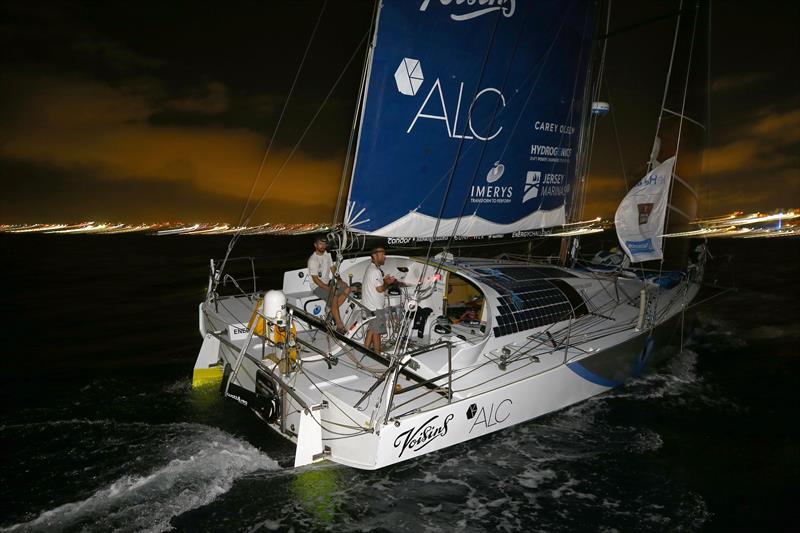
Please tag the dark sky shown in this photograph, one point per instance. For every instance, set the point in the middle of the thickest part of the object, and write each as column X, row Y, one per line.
column 150, row 111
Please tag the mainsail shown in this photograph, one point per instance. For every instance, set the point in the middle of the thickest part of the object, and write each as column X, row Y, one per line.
column 471, row 118
column 641, row 215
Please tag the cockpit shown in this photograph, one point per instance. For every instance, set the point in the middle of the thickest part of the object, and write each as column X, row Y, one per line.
column 447, row 304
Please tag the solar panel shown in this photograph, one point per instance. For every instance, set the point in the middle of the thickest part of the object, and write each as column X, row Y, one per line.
column 527, row 299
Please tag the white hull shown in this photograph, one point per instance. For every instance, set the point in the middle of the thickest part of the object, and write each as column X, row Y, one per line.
column 326, row 414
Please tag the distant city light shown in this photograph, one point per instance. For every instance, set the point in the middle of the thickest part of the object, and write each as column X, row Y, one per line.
column 736, row 224
column 750, row 226
column 163, row 228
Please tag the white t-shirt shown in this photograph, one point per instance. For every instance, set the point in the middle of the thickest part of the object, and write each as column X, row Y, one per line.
column 320, row 266
column 371, row 298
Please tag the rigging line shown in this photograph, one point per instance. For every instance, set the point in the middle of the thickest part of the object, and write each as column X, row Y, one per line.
column 512, row 98
column 680, row 122
column 257, row 177
column 516, row 124
column 639, row 24
column 616, row 137
column 708, row 98
column 458, row 154
column 666, row 84
column 283, row 112
column 356, row 113
column 534, row 85
column 491, row 123
column 591, row 128
column 307, row 129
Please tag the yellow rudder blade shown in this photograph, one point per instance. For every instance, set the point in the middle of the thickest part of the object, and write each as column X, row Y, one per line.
column 202, row 377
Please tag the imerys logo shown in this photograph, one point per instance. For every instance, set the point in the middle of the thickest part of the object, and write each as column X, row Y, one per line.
column 496, row 414
column 492, row 194
column 495, row 173
column 475, row 8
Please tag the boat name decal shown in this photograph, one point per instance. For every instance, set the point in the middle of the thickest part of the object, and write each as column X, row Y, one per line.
column 415, row 439
column 492, row 418
column 507, row 7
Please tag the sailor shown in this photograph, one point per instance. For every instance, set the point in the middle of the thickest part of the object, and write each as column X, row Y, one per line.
column 373, row 288
column 322, row 271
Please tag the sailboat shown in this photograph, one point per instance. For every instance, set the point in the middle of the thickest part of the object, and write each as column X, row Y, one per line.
column 473, row 122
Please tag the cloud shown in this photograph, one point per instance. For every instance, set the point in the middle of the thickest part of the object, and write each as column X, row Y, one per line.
column 731, row 157
column 733, row 82
column 77, row 194
column 211, row 100
column 603, row 194
column 781, row 127
column 765, row 143
column 113, row 55
column 74, row 123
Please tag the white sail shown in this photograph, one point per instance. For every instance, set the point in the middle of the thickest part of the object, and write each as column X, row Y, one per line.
column 641, row 215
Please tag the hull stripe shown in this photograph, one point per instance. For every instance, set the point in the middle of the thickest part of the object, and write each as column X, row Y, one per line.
column 586, row 374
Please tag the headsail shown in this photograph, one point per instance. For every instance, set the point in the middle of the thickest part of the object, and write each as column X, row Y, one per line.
column 471, row 117
column 641, row 215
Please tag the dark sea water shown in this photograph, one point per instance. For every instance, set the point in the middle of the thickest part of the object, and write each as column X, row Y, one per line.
column 100, row 429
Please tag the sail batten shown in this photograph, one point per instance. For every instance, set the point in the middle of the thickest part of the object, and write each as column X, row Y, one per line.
column 471, row 117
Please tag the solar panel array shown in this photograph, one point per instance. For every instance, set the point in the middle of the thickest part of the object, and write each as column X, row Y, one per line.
column 527, row 298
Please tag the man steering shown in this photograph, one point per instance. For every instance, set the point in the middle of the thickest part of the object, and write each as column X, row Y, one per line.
column 322, row 270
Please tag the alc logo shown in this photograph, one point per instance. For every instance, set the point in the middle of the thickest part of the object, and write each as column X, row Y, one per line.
column 409, row 79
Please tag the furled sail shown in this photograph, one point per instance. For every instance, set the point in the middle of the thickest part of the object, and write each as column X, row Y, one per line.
column 641, row 215
column 471, row 118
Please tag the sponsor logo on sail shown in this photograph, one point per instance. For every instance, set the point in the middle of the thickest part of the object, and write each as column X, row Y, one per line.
column 547, row 185
column 651, row 179
column 640, row 247
column 408, row 76
column 644, row 212
column 415, row 439
column 553, row 127
column 492, row 194
column 471, row 9
column 550, row 154
column 532, row 180
column 438, row 106
column 495, row 173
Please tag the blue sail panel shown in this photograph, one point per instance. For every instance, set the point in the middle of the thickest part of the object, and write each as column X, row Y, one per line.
column 471, row 117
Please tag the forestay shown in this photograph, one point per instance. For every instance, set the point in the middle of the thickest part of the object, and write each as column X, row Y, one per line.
column 471, row 117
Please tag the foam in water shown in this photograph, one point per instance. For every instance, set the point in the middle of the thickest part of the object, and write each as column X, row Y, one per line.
column 205, row 462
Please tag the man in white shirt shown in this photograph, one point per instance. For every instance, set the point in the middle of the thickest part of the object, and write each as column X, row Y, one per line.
column 321, row 270
column 373, row 288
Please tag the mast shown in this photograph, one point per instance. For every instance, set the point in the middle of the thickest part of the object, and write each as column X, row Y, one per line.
column 359, row 117
column 585, row 141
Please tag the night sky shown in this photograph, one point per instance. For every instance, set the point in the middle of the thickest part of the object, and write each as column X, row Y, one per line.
column 154, row 111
